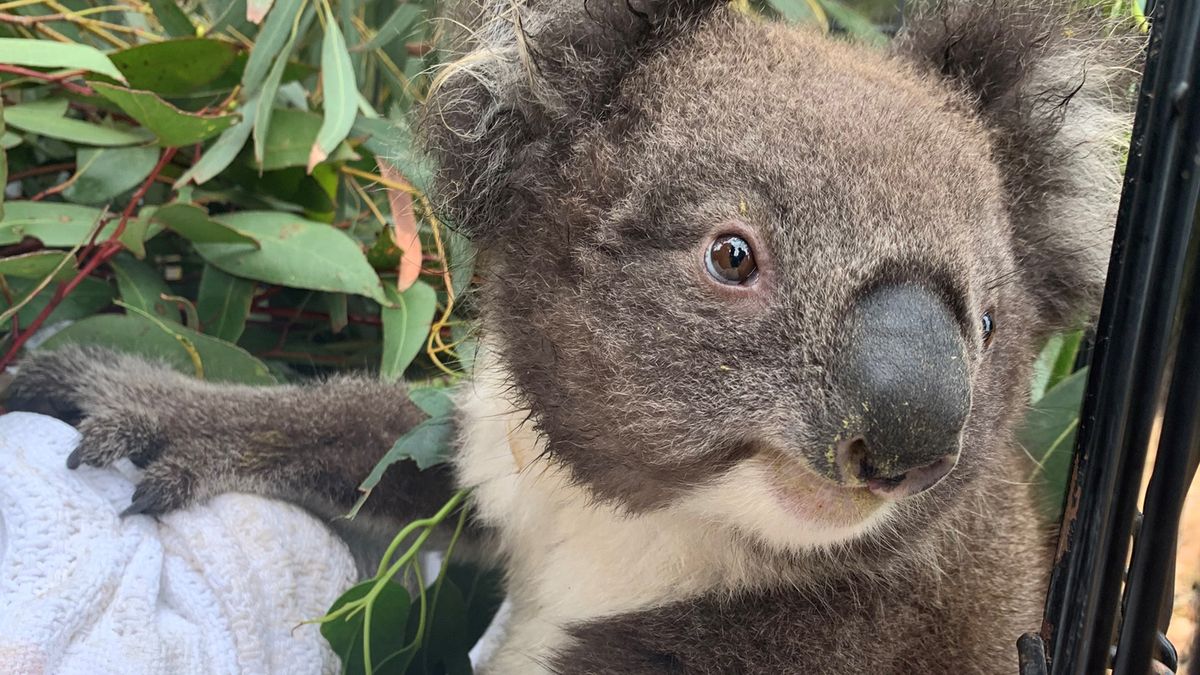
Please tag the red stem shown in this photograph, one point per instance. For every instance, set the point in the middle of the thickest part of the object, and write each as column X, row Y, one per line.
column 60, row 80
column 103, row 253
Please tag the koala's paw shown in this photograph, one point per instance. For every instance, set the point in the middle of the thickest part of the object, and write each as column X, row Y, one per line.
column 124, row 408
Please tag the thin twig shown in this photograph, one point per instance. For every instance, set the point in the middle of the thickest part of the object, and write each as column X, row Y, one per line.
column 60, row 80
column 103, row 253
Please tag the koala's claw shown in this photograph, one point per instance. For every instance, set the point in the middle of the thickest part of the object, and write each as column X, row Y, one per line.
column 164, row 487
column 120, row 407
column 75, row 458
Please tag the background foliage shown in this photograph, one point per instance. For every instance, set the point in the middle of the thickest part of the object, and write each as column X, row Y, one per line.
column 231, row 186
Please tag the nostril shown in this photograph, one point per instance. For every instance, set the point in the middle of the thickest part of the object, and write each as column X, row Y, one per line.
column 913, row 481
column 851, row 454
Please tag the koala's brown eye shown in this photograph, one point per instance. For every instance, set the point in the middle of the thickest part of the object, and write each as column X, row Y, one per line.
column 988, row 326
column 730, row 260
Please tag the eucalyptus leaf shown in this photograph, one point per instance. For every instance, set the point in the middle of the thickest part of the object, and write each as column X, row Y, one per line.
column 427, row 444
column 294, row 252
column 800, row 11
column 276, row 30
column 266, row 97
column 854, row 23
column 221, row 154
column 185, row 350
column 173, row 20
column 51, row 54
column 223, row 303
column 172, row 126
column 143, row 287
column 394, row 139
column 39, row 265
column 47, row 118
column 89, row 297
column 340, row 90
column 290, row 138
column 1048, row 436
column 192, row 223
column 65, row 225
column 174, row 67
column 405, row 328
column 397, row 26
column 104, row 173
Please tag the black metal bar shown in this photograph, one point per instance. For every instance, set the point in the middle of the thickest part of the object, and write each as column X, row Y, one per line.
column 1031, row 655
column 1148, row 583
column 1136, row 337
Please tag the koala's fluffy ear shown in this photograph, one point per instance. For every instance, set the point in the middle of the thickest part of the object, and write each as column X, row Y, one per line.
column 534, row 73
column 1055, row 84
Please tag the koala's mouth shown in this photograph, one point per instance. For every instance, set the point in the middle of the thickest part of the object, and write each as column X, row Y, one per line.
column 809, row 496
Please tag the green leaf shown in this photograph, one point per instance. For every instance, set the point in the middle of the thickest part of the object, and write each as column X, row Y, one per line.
column 266, row 100
column 172, row 126
column 295, row 252
column 9, row 140
column 799, row 11
column 89, row 297
column 339, row 311
column 51, row 54
column 38, row 265
column 427, row 444
column 47, row 118
column 275, row 32
column 222, row 153
column 389, row 621
column 64, row 225
column 341, row 93
column 192, row 223
column 174, row 67
column 397, row 26
column 444, row 646
column 854, row 23
column 482, row 591
column 405, row 328
column 433, row 401
column 1055, row 362
column 172, row 344
column 104, row 173
column 173, row 20
column 223, row 303
column 290, row 139
column 1048, row 435
column 395, row 140
column 141, row 286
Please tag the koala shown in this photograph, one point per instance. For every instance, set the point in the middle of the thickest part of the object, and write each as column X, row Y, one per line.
column 758, row 314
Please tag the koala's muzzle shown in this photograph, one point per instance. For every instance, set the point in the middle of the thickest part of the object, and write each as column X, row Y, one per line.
column 905, row 391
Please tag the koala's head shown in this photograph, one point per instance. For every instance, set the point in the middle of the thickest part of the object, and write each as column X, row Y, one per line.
column 789, row 282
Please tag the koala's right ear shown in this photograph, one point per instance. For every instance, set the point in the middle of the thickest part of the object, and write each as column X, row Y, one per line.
column 536, row 72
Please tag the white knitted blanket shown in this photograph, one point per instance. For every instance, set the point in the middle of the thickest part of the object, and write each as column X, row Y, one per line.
column 217, row 588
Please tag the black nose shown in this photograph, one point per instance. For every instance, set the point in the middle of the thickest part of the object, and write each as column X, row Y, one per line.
column 904, row 383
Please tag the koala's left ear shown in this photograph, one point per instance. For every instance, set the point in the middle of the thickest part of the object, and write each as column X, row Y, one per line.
column 1055, row 84
column 534, row 74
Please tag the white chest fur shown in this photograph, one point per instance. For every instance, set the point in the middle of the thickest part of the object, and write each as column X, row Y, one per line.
column 568, row 558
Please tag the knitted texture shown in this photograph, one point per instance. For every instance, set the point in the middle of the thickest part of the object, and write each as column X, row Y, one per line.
column 217, row 588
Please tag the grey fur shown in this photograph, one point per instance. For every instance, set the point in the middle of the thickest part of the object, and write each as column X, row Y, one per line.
column 592, row 148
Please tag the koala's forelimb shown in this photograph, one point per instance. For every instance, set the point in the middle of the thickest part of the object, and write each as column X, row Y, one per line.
column 311, row 445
